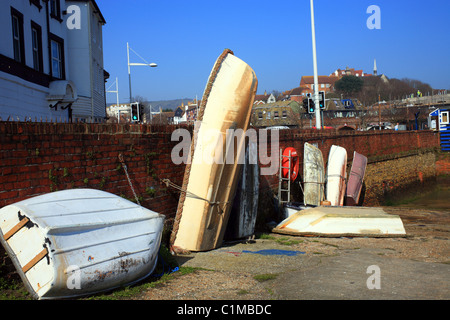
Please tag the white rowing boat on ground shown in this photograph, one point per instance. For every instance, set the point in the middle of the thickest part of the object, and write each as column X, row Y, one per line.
column 78, row 242
column 327, row 221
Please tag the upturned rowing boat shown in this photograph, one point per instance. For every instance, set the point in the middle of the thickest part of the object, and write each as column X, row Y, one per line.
column 327, row 221
column 209, row 185
column 78, row 242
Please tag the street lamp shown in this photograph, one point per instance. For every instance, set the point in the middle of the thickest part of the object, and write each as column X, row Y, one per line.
column 152, row 65
column 316, row 78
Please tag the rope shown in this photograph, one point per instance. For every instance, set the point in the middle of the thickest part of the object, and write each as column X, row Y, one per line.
column 169, row 183
column 128, row 177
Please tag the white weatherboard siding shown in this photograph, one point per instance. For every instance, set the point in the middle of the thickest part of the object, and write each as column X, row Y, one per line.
column 22, row 99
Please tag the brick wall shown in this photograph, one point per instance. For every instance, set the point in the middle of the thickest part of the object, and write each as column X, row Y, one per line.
column 411, row 152
column 37, row 158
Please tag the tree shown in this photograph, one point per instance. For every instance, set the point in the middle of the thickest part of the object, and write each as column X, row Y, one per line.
column 349, row 85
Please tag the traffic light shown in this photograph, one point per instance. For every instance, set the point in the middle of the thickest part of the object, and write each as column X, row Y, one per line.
column 322, row 100
column 305, row 104
column 311, row 106
column 135, row 112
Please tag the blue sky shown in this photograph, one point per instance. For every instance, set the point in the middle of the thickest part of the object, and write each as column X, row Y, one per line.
column 274, row 37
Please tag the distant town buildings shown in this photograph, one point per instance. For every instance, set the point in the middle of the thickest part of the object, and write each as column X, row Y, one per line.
column 280, row 113
column 339, row 73
column 264, row 98
column 49, row 68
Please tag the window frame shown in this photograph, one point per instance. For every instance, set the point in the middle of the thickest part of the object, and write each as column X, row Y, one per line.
column 19, row 39
column 61, row 60
column 55, row 11
column 447, row 115
column 38, row 62
column 260, row 115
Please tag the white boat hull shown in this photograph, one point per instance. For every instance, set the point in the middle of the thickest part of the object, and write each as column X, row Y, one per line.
column 313, row 175
column 78, row 242
column 209, row 186
column 336, row 175
column 329, row 221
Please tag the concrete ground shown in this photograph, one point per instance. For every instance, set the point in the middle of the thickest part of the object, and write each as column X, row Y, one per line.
column 289, row 268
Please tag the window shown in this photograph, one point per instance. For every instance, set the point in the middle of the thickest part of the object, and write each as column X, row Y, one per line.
column 17, row 33
column 57, row 57
column 268, row 115
column 36, row 45
column 444, row 117
column 275, row 115
column 284, row 114
column 55, row 9
column 260, row 115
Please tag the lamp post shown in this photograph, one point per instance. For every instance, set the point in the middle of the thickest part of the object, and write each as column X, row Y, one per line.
column 153, row 65
column 316, row 78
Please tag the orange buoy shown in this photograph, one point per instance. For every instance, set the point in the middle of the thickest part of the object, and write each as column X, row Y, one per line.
column 295, row 163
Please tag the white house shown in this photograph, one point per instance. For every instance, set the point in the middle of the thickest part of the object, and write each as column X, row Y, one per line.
column 85, row 45
column 37, row 75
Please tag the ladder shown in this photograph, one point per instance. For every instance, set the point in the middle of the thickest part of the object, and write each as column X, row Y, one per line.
column 282, row 192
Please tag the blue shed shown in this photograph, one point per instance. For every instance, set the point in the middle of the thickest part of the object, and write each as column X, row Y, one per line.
column 443, row 126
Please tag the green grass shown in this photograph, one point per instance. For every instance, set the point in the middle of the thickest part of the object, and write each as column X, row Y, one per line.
column 265, row 277
column 286, row 241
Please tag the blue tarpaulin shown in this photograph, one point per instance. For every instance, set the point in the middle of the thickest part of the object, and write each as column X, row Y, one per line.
column 273, row 252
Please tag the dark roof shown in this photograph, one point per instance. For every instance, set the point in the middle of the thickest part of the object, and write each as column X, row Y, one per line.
column 297, row 91
column 322, row 79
